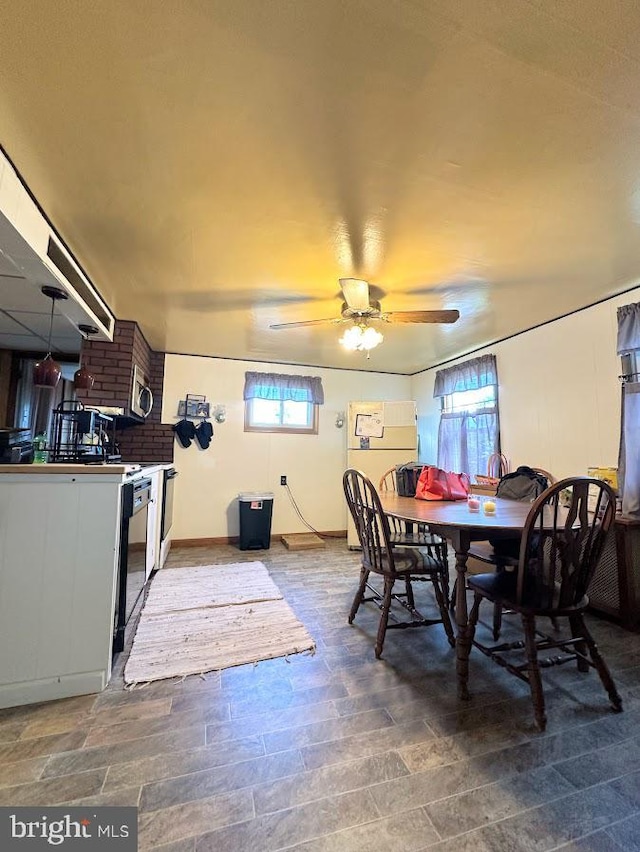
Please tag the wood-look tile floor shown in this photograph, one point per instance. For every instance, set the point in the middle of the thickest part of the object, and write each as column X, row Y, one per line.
column 339, row 752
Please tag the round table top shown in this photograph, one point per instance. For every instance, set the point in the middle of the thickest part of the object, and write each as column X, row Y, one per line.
column 509, row 514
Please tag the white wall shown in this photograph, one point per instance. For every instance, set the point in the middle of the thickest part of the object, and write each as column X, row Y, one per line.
column 210, row 480
column 559, row 410
column 559, row 394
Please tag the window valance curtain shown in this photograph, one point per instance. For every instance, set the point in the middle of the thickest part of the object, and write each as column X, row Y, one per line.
column 470, row 375
column 628, row 328
column 280, row 387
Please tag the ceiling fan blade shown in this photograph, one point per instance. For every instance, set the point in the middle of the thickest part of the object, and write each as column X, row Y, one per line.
column 332, row 321
column 356, row 293
column 420, row 316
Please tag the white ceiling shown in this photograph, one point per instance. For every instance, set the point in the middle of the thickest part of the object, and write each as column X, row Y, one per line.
column 217, row 166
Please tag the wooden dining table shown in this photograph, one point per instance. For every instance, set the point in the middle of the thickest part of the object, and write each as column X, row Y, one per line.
column 455, row 522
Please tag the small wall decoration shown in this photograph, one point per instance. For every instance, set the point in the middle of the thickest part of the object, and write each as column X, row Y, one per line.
column 193, row 406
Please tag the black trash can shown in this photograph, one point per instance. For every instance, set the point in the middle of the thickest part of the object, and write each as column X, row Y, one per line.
column 256, row 508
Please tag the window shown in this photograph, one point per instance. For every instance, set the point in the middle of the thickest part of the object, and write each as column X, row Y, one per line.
column 281, row 403
column 471, row 401
column 469, row 429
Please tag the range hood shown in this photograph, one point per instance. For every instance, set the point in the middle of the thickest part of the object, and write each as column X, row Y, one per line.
column 32, row 253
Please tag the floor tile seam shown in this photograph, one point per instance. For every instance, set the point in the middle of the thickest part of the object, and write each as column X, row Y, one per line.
column 293, row 728
column 320, row 798
column 256, row 787
column 187, row 751
column 567, row 843
column 223, row 704
column 24, row 784
column 248, row 786
column 535, row 807
column 88, row 751
column 280, row 680
column 547, row 735
column 257, row 716
column 326, row 834
column 582, row 754
column 467, row 756
column 167, row 719
column 117, row 789
column 414, row 683
column 466, row 791
column 381, row 817
column 619, row 822
column 26, row 739
column 145, row 846
column 339, row 741
column 312, row 704
column 429, row 720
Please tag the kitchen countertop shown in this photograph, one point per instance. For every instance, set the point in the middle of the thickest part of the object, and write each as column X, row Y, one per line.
column 80, row 469
column 32, row 469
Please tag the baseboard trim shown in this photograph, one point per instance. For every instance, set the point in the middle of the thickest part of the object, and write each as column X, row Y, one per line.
column 52, row 688
column 234, row 539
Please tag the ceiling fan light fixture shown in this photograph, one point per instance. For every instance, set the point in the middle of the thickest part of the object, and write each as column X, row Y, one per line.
column 361, row 337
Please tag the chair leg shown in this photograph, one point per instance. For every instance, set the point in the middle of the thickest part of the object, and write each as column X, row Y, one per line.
column 497, row 621
column 409, row 588
column 576, row 625
column 445, row 574
column 364, row 576
column 444, row 609
column 535, row 681
column 601, row 667
column 384, row 617
column 452, row 599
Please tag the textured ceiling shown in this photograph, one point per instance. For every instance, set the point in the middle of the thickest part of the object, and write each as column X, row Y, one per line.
column 217, row 166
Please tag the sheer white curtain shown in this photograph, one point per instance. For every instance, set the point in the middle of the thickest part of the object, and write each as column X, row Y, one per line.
column 465, row 441
column 629, row 456
column 468, row 436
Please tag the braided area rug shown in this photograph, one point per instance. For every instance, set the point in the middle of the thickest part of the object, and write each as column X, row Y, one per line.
column 209, row 617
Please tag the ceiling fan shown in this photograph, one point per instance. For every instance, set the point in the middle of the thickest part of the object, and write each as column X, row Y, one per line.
column 359, row 308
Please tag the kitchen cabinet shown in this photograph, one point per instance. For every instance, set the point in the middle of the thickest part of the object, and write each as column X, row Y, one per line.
column 59, row 545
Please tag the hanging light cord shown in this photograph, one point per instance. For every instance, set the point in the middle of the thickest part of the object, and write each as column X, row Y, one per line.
column 53, row 307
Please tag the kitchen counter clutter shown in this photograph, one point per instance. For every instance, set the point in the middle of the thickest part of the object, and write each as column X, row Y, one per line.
column 61, row 531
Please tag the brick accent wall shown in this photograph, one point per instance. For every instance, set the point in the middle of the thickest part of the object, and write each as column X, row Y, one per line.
column 111, row 364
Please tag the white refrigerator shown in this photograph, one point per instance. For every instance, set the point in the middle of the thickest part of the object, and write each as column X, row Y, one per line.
column 380, row 435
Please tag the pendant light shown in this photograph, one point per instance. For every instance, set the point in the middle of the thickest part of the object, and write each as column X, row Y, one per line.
column 83, row 380
column 46, row 373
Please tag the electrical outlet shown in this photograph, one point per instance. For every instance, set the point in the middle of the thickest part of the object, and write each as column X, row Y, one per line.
column 283, row 480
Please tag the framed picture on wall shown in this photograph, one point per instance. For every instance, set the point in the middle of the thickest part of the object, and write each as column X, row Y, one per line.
column 193, row 406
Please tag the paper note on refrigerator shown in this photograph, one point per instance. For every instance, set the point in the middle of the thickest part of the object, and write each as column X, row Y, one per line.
column 369, row 426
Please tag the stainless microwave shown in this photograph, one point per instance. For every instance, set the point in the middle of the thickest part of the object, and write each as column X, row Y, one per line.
column 141, row 396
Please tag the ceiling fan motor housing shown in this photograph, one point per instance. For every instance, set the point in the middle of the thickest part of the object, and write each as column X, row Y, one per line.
column 373, row 311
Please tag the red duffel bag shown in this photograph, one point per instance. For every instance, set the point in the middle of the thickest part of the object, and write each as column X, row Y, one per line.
column 437, row 484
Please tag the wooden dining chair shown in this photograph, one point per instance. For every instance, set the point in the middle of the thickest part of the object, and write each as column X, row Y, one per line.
column 559, row 551
column 391, row 563
column 485, row 551
column 406, row 534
